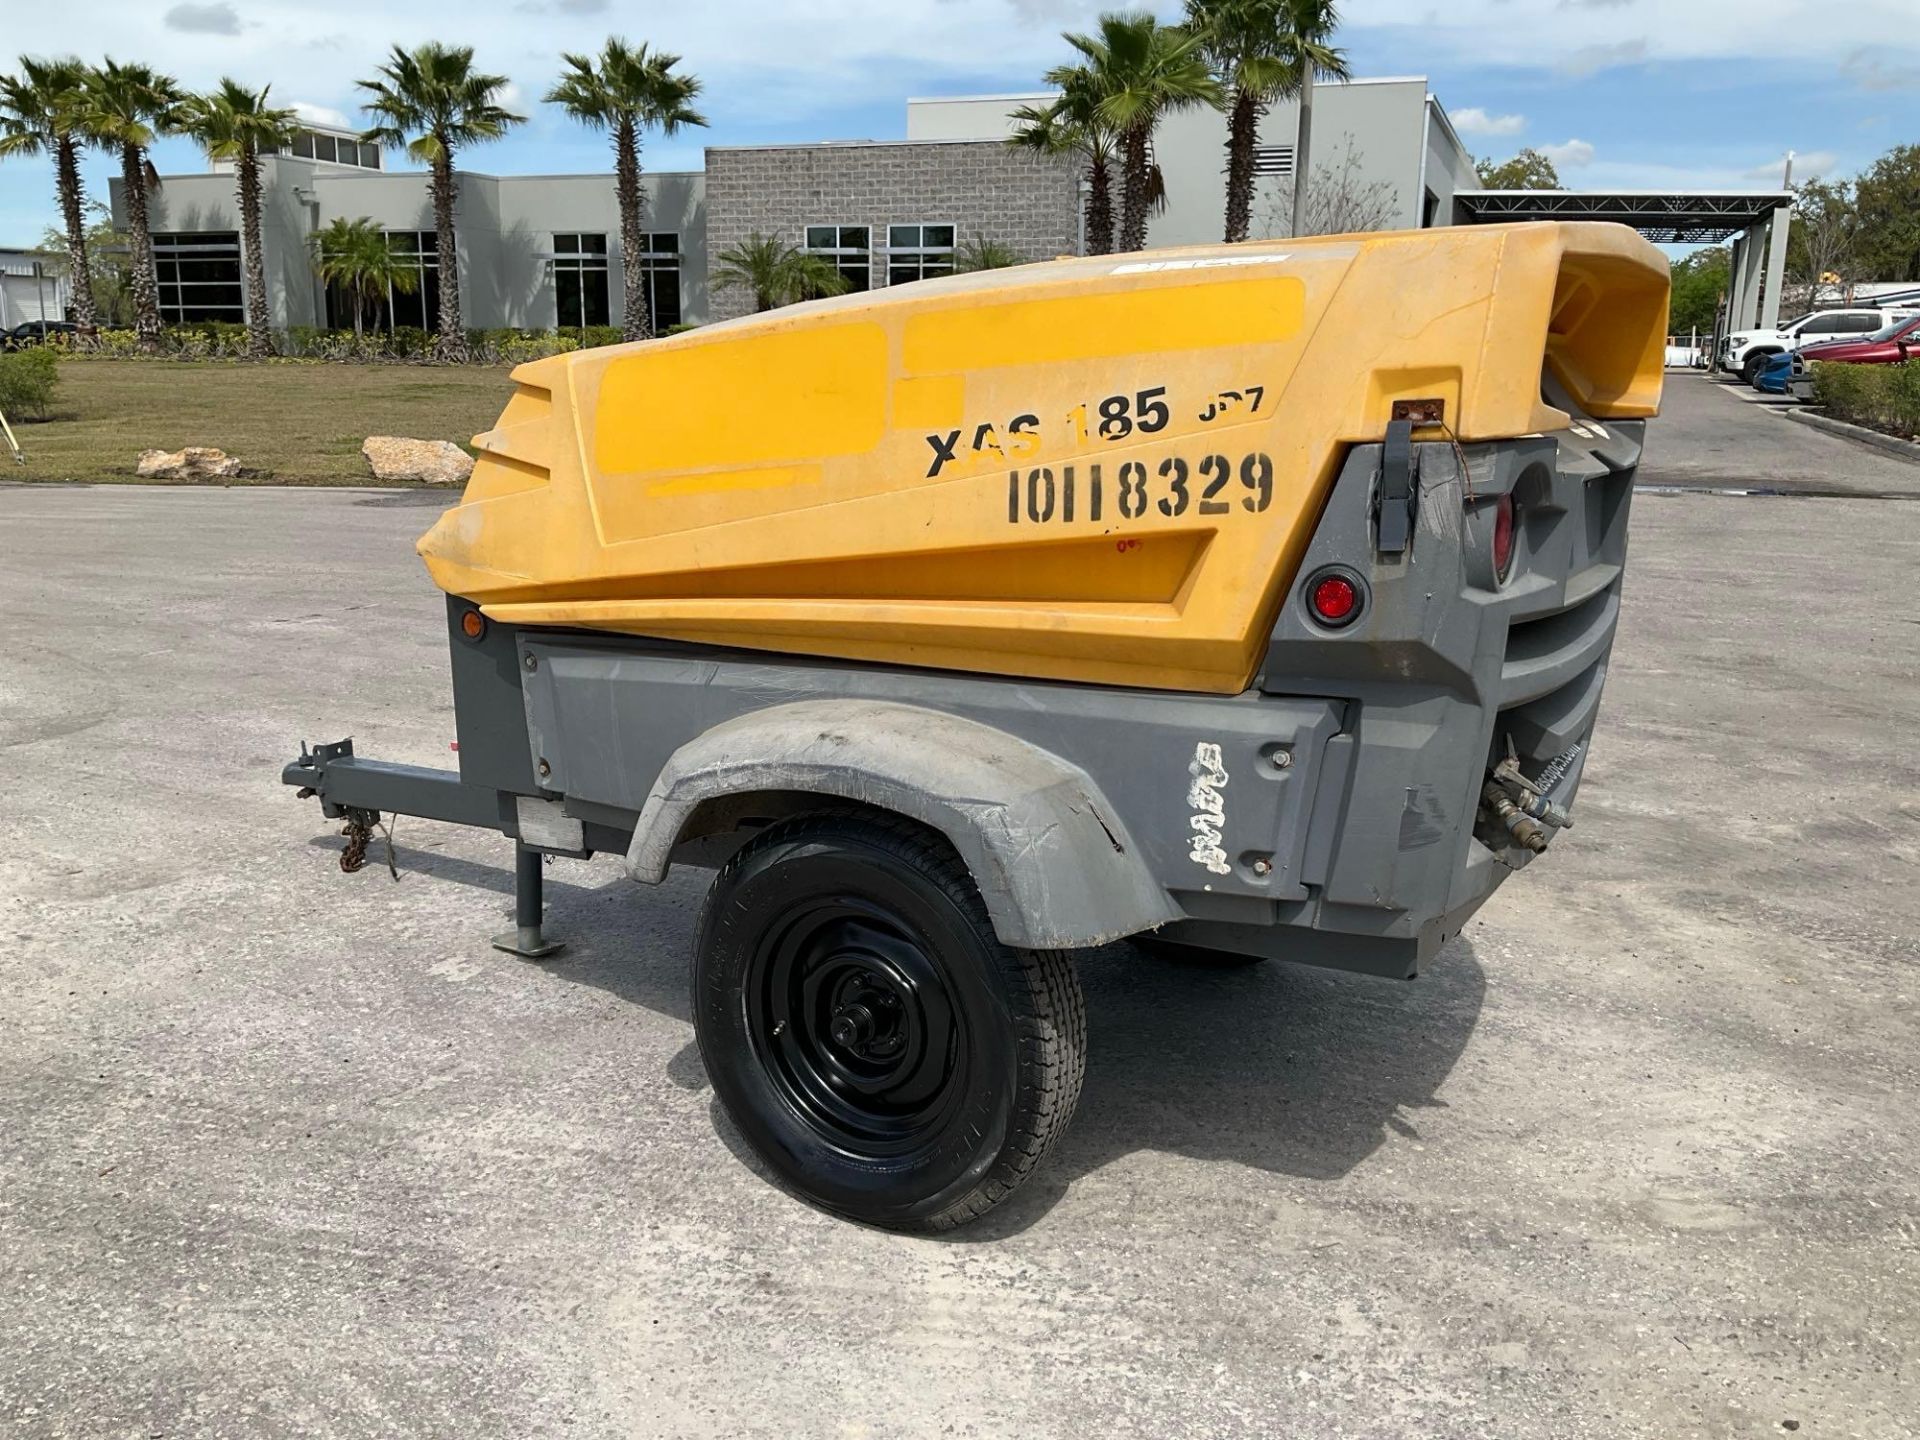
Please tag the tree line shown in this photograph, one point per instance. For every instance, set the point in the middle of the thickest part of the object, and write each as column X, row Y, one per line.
column 1237, row 56
column 433, row 101
column 1845, row 232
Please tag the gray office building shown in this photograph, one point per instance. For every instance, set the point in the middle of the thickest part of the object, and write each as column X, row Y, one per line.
column 543, row 251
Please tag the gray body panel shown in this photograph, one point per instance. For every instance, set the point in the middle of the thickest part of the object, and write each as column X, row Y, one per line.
column 1329, row 814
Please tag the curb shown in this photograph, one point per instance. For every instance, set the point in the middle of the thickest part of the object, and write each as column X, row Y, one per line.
column 1890, row 444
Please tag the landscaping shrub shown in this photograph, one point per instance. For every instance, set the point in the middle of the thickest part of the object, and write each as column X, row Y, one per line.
column 1884, row 396
column 27, row 381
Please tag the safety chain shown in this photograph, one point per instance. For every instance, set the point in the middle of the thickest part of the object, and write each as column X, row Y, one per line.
column 359, row 830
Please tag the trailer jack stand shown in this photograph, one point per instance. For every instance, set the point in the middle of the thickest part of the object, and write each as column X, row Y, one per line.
column 526, row 939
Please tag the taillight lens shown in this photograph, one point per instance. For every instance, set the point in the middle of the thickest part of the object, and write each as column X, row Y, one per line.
column 1335, row 597
column 1503, row 525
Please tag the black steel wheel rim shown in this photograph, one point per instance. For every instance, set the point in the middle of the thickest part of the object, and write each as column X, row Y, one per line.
column 851, row 1017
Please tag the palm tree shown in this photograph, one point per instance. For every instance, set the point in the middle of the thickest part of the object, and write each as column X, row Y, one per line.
column 1142, row 70
column 234, row 123
column 1310, row 25
column 776, row 273
column 1071, row 125
column 127, row 108
column 624, row 90
column 1246, row 44
column 432, row 102
column 355, row 255
column 42, row 112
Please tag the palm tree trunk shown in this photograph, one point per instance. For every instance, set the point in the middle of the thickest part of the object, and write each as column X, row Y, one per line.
column 1133, row 192
column 146, row 293
column 1302, row 166
column 1243, row 123
column 81, row 309
column 450, row 339
column 259, row 331
column 635, row 323
column 1099, row 207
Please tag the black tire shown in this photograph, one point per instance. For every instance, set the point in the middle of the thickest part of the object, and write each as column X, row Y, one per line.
column 874, row 1041
column 1754, row 364
column 1198, row 957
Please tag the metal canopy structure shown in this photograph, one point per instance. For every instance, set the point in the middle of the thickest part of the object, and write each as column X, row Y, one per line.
column 1664, row 217
column 1757, row 221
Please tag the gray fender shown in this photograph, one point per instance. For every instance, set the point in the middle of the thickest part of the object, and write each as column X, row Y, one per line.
column 1053, row 861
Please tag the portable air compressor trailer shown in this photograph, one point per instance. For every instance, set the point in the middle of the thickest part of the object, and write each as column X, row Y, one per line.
column 1253, row 600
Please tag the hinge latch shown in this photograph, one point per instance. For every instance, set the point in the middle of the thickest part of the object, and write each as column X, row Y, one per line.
column 1398, row 486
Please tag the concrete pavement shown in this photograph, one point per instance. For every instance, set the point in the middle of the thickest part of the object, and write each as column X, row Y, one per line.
column 288, row 1152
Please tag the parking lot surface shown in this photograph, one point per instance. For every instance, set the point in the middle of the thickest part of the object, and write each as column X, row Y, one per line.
column 290, row 1152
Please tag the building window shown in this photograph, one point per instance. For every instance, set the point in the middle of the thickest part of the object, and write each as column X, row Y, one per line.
column 335, row 149
column 918, row 252
column 199, row 277
column 580, row 281
column 849, row 248
column 416, row 249
column 660, row 280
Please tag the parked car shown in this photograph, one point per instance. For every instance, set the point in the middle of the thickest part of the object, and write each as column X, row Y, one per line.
column 1891, row 344
column 36, row 332
column 1775, row 378
column 1745, row 352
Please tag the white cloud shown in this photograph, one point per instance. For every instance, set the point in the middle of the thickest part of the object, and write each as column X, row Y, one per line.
column 1809, row 166
column 1475, row 121
column 1573, row 155
column 1592, row 59
column 215, row 19
column 1874, row 72
column 320, row 114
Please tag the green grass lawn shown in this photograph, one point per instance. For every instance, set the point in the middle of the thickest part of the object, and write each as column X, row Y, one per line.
column 294, row 424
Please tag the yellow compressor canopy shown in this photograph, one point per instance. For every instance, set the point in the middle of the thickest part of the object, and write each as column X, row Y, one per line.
column 1099, row 469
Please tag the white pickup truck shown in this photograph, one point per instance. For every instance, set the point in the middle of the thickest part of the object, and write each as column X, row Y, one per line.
column 1745, row 352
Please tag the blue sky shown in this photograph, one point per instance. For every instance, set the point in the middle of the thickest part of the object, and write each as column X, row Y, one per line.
column 1626, row 93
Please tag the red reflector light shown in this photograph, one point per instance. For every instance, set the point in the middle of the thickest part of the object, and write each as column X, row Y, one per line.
column 1503, row 517
column 1335, row 599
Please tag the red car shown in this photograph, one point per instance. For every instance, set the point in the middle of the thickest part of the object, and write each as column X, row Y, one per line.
column 1890, row 345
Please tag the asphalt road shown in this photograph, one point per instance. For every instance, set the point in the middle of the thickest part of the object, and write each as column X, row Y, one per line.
column 1720, row 434
column 287, row 1152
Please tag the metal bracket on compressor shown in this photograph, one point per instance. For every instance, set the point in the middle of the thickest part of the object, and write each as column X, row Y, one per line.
column 1528, row 808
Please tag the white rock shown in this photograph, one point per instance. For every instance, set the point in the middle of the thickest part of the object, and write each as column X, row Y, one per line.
column 196, row 462
column 438, row 462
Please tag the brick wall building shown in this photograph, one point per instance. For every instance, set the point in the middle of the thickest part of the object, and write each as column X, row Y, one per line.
column 887, row 212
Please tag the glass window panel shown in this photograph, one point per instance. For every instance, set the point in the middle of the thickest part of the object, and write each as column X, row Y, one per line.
column 853, row 237
column 664, row 242
column 594, row 306
column 593, row 244
column 303, row 145
column 323, row 148
column 937, row 237
column 663, row 298
column 820, row 237
column 903, row 237
column 566, row 244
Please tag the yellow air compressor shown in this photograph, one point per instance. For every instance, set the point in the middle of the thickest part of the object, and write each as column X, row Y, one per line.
column 1244, row 602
